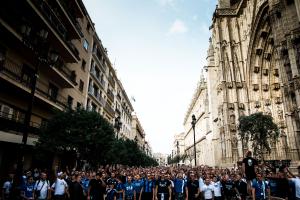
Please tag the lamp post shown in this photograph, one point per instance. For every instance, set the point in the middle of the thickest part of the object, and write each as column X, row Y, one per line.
column 193, row 126
column 118, row 125
column 43, row 56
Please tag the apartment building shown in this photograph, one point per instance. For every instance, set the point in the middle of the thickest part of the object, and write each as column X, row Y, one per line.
column 203, row 136
column 138, row 133
column 124, row 110
column 44, row 53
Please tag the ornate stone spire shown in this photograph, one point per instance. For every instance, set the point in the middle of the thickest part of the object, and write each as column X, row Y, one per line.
column 210, row 54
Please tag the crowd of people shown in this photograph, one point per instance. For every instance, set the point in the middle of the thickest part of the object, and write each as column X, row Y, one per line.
column 249, row 181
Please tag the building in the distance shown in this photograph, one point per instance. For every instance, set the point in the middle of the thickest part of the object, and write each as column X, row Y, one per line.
column 203, row 136
column 178, row 145
column 138, row 133
column 162, row 159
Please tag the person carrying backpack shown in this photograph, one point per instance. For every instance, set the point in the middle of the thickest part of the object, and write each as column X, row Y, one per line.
column 42, row 188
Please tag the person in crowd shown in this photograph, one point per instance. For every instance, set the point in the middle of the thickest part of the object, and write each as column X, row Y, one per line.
column 260, row 188
column 249, row 165
column 7, row 188
column 111, row 192
column 129, row 192
column 96, row 187
column 149, row 185
column 60, row 187
column 208, row 189
column 217, row 188
column 229, row 188
column 193, row 187
column 180, row 187
column 27, row 190
column 119, row 188
column 112, row 179
column 295, row 180
column 42, row 189
column 163, row 190
column 76, row 189
column 138, row 184
column 241, row 186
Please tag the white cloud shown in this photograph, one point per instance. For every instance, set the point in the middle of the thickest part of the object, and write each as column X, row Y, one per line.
column 178, row 26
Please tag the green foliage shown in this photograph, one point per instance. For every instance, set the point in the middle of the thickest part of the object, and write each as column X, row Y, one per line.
column 176, row 159
column 260, row 130
column 91, row 137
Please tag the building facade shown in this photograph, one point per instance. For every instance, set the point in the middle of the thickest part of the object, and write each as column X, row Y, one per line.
column 51, row 58
column 203, row 134
column 253, row 66
column 42, row 69
column 178, row 145
column 138, row 133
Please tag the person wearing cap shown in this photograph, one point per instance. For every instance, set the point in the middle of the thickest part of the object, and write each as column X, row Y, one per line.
column 60, row 187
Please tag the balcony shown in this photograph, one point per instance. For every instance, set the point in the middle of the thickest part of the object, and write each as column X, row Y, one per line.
column 74, row 6
column 13, row 120
column 97, row 97
column 98, row 57
column 22, row 77
column 109, row 110
column 63, row 75
column 110, row 95
column 54, row 23
column 111, row 81
column 68, row 16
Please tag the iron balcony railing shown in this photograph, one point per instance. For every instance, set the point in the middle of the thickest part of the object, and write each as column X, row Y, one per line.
column 56, row 24
column 110, row 95
column 14, row 121
column 109, row 109
column 24, row 76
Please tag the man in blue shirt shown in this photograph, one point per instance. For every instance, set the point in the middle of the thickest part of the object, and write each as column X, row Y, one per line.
column 260, row 188
column 129, row 192
column 149, row 185
column 180, row 187
column 138, row 186
column 28, row 188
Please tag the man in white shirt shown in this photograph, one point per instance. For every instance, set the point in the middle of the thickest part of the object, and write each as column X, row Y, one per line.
column 208, row 189
column 42, row 188
column 217, row 188
column 60, row 187
column 296, row 181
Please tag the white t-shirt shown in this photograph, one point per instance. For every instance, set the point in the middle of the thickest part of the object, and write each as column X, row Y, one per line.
column 60, row 185
column 43, row 186
column 208, row 191
column 217, row 188
column 7, row 186
column 201, row 183
column 297, row 186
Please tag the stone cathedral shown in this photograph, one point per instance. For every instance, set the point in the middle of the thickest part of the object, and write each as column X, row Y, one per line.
column 254, row 66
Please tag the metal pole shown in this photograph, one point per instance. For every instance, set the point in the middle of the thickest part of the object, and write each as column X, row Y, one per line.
column 195, row 146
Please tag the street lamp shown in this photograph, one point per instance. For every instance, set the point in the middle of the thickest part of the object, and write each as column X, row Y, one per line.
column 43, row 57
column 118, row 125
column 193, row 126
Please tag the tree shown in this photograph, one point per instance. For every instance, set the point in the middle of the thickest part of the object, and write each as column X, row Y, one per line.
column 86, row 135
column 78, row 132
column 260, row 130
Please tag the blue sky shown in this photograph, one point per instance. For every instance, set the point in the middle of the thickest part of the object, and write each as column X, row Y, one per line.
column 158, row 48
